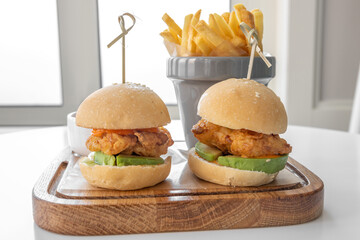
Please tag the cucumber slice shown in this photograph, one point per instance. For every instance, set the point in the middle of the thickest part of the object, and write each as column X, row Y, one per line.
column 267, row 165
column 207, row 152
column 127, row 160
column 101, row 158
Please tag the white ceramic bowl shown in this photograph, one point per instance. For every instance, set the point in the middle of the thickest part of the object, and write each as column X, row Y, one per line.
column 77, row 136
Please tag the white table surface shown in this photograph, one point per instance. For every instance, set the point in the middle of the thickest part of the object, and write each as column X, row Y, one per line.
column 333, row 155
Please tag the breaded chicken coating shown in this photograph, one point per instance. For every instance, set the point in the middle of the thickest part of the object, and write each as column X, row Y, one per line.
column 242, row 142
column 150, row 144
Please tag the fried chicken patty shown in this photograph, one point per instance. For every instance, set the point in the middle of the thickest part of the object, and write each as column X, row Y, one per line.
column 150, row 144
column 242, row 142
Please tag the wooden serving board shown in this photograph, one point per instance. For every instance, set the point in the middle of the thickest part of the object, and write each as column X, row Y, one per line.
column 63, row 202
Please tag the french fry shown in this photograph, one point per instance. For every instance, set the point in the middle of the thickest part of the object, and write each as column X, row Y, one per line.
column 259, row 27
column 204, row 46
column 222, row 35
column 230, row 35
column 178, row 39
column 223, row 26
column 239, row 39
column 198, row 51
column 239, row 8
column 244, row 15
column 185, row 33
column 214, row 26
column 172, row 24
column 169, row 37
column 241, row 46
column 226, row 16
column 192, row 32
column 248, row 18
column 234, row 24
column 207, row 33
column 239, row 42
column 225, row 49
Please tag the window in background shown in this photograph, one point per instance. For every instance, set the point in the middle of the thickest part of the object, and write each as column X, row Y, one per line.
column 32, row 89
column 145, row 52
column 29, row 54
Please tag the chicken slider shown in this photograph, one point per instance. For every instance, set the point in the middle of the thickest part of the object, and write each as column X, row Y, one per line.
column 128, row 137
column 238, row 136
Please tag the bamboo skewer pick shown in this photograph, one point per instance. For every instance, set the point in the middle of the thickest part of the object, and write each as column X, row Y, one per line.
column 122, row 35
column 252, row 37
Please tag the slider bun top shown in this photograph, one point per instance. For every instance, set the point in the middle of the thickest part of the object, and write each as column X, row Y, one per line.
column 241, row 103
column 122, row 106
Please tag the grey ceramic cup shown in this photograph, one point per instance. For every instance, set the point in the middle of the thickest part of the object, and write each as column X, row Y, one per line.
column 191, row 76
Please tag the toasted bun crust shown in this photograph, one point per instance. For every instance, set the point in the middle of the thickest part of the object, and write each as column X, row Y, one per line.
column 223, row 175
column 241, row 103
column 125, row 178
column 122, row 106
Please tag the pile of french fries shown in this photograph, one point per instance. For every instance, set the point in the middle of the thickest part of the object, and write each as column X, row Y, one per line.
column 221, row 36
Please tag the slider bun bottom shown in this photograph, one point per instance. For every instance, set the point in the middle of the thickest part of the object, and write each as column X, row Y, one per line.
column 127, row 177
column 223, row 175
